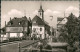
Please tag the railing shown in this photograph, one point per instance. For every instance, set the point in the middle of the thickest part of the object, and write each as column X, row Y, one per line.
column 27, row 46
column 30, row 48
column 38, row 50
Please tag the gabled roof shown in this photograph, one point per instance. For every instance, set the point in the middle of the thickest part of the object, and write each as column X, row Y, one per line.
column 59, row 19
column 15, row 22
column 37, row 21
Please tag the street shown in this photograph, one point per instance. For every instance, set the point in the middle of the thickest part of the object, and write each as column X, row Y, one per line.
column 13, row 47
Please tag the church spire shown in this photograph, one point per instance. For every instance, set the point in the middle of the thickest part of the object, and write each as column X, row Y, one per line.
column 40, row 6
column 41, row 12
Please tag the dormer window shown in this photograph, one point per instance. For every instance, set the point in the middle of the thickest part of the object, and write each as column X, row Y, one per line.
column 19, row 23
column 11, row 22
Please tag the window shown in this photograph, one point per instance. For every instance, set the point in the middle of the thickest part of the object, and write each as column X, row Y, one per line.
column 40, row 29
column 19, row 23
column 34, row 29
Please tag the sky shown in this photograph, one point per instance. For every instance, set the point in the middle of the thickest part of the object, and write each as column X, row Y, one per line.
column 30, row 9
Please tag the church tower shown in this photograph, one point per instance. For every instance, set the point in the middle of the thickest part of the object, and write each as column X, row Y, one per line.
column 41, row 13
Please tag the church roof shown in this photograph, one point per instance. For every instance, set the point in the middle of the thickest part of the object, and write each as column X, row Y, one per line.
column 37, row 21
column 18, row 22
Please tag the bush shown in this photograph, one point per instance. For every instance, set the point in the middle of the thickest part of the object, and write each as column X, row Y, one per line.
column 11, row 39
column 54, row 40
column 17, row 39
column 61, row 39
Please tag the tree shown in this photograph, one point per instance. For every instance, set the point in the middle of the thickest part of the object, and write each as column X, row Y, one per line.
column 72, row 27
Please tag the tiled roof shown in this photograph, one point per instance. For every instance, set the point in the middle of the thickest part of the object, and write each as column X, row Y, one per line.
column 37, row 21
column 59, row 19
column 18, row 22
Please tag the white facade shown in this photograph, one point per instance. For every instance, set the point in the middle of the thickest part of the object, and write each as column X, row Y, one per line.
column 14, row 35
column 39, row 33
column 15, row 31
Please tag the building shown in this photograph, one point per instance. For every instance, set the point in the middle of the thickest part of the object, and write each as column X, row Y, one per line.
column 40, row 28
column 18, row 27
column 60, row 24
column 3, row 34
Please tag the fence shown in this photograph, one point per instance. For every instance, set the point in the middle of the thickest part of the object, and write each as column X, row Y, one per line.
column 43, row 50
column 30, row 48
